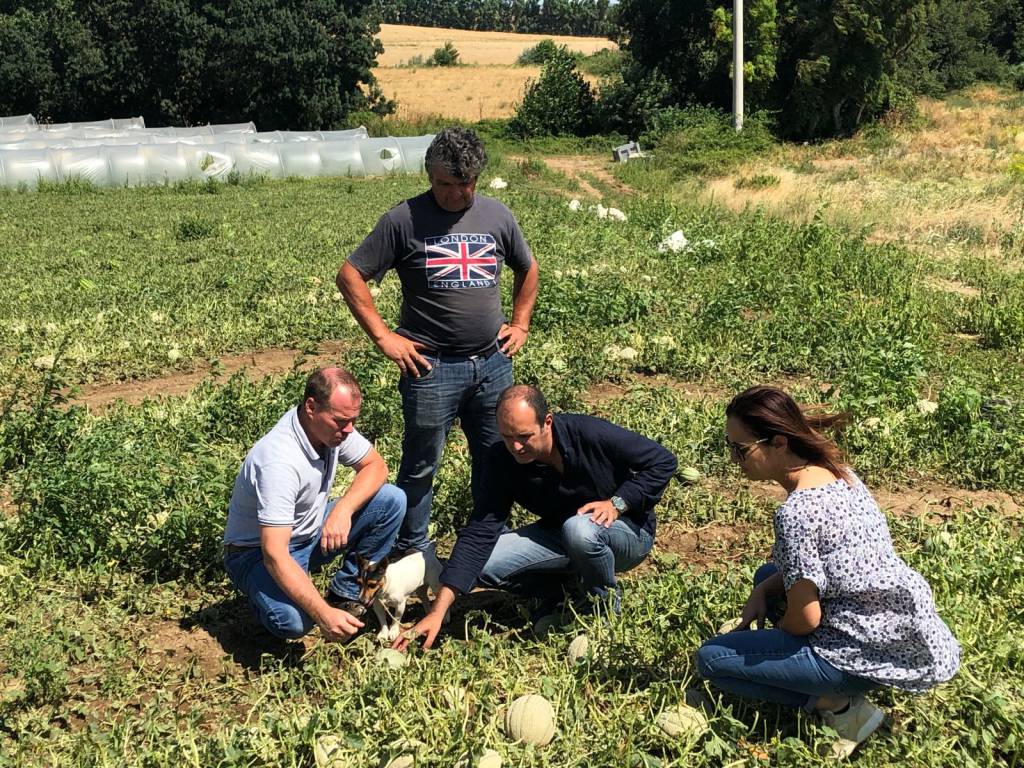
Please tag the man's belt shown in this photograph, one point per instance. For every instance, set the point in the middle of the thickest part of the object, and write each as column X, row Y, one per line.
column 239, row 547
column 446, row 357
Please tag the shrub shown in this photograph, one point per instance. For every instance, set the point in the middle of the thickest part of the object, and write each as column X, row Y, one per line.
column 445, row 56
column 703, row 140
column 543, row 52
column 559, row 103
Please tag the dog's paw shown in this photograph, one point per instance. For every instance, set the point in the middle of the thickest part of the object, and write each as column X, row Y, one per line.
column 388, row 635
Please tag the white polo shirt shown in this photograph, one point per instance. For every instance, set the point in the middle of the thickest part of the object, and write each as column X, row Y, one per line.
column 284, row 481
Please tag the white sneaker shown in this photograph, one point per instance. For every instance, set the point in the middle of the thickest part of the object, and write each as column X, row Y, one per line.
column 854, row 725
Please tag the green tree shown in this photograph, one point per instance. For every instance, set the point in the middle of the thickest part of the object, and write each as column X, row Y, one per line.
column 559, row 103
column 281, row 64
column 838, row 61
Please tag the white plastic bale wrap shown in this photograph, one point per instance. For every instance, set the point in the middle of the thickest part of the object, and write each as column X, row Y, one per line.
column 414, row 150
column 165, row 163
column 301, row 158
column 257, row 159
column 381, row 156
column 341, row 158
column 23, row 122
column 111, row 124
column 127, row 166
column 166, row 160
column 85, row 164
column 27, row 167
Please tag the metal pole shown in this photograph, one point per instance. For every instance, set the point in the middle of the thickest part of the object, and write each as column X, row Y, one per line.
column 737, row 63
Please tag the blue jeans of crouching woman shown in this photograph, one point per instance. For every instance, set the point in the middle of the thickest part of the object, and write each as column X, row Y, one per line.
column 535, row 560
column 373, row 532
column 466, row 388
column 773, row 665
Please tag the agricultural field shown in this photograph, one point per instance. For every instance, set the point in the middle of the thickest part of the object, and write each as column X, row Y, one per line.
column 122, row 643
column 487, row 84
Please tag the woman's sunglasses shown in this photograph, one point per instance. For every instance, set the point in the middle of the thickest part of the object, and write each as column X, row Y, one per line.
column 739, row 451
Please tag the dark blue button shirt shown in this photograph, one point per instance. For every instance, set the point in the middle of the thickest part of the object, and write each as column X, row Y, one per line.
column 599, row 459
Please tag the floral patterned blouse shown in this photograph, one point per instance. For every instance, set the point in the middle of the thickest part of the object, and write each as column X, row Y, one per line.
column 878, row 618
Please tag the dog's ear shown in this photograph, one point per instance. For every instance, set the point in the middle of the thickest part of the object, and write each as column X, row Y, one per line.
column 363, row 563
column 383, row 564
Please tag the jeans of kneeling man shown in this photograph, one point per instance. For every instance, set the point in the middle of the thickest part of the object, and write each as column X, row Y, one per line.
column 530, row 560
column 374, row 528
column 773, row 665
column 463, row 388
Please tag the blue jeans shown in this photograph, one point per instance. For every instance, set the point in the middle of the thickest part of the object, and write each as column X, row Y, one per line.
column 534, row 560
column 466, row 388
column 374, row 528
column 773, row 665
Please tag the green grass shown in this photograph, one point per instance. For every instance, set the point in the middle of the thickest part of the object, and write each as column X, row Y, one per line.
column 114, row 518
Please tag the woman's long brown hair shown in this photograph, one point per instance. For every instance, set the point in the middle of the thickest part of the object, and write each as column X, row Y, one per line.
column 768, row 411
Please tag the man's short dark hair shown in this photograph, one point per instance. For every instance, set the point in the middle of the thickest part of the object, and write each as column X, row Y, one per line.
column 321, row 384
column 532, row 396
column 456, row 151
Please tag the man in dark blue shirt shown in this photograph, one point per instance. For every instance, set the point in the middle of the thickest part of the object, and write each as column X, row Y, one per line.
column 592, row 484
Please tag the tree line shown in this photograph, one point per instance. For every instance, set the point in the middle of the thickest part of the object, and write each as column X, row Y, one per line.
column 550, row 17
column 285, row 65
column 819, row 67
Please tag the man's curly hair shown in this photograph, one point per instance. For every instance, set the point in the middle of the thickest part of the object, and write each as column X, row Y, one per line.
column 456, row 151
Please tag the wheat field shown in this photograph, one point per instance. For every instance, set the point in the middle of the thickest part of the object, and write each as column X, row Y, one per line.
column 488, row 85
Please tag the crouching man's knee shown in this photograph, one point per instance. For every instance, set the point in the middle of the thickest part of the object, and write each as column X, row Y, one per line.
column 582, row 536
column 286, row 622
column 391, row 501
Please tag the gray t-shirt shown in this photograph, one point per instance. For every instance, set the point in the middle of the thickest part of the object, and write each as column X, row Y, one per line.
column 284, row 481
column 878, row 616
column 449, row 265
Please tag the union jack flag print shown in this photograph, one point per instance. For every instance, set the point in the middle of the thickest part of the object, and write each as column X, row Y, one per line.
column 461, row 261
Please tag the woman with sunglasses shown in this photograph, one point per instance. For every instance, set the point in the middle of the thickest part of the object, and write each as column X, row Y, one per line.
column 853, row 616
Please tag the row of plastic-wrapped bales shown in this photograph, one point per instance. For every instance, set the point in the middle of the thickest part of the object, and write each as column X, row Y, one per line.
column 124, row 152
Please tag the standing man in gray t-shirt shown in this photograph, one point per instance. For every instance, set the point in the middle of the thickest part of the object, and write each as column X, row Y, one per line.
column 453, row 344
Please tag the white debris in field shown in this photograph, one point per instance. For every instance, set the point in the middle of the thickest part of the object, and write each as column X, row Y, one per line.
column 602, row 212
column 927, row 407
column 675, row 242
column 615, row 213
column 575, row 205
column 614, row 352
column 497, row 183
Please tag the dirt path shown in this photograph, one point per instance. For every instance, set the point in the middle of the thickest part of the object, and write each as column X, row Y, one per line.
column 257, row 365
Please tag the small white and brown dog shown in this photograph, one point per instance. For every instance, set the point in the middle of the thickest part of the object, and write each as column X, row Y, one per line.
column 388, row 586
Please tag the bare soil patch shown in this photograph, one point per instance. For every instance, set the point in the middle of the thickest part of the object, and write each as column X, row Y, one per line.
column 579, row 166
column 953, row 286
column 257, row 365
column 604, row 391
column 403, row 42
column 710, row 546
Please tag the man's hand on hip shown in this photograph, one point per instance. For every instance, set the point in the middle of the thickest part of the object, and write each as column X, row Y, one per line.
column 404, row 353
column 512, row 338
column 337, row 526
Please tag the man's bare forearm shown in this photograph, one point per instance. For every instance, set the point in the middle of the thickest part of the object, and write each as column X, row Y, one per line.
column 360, row 302
column 296, row 583
column 524, row 295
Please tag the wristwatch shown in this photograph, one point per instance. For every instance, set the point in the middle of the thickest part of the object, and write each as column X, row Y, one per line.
column 620, row 504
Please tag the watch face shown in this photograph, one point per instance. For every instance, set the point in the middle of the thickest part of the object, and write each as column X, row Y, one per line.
column 618, row 503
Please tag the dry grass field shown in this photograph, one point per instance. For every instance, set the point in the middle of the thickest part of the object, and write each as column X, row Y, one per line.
column 949, row 187
column 488, row 85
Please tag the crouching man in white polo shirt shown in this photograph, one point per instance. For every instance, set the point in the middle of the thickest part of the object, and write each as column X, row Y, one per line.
column 282, row 525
